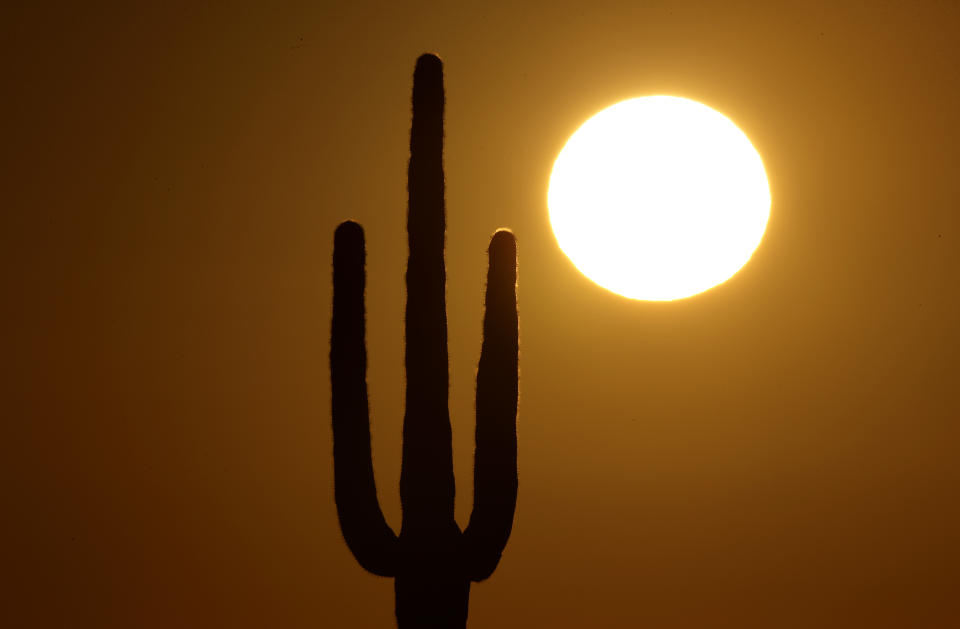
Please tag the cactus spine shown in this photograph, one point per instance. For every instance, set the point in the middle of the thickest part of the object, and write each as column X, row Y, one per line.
column 432, row 561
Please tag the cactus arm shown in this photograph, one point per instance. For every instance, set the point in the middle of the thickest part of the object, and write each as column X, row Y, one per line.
column 364, row 528
column 426, row 477
column 495, row 465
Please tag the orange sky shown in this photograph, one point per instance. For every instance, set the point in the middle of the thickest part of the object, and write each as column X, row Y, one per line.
column 777, row 452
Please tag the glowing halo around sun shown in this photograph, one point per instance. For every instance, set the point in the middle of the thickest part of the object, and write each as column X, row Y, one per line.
column 658, row 198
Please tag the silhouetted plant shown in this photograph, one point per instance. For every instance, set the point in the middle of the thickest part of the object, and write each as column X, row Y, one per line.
column 432, row 561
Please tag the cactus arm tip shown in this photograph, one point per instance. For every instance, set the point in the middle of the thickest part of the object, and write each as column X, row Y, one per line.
column 428, row 61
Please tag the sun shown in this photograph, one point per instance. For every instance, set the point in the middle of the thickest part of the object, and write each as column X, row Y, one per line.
column 658, row 198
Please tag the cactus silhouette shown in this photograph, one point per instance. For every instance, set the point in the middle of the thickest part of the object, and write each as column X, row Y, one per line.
column 432, row 561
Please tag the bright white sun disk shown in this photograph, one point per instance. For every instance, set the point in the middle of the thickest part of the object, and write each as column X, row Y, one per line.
column 658, row 198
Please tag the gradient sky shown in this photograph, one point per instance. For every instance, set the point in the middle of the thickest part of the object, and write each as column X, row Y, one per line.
column 778, row 452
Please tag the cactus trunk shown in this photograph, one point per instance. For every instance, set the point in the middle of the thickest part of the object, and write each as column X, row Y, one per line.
column 432, row 561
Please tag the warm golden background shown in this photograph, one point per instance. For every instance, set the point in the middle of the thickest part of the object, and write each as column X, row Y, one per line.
column 778, row 452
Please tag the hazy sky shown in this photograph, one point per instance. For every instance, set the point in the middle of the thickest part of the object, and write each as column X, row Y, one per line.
column 778, row 452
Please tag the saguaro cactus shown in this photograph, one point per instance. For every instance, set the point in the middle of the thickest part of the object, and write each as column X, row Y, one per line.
column 432, row 561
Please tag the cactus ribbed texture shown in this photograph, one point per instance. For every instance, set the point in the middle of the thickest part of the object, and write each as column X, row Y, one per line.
column 432, row 561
